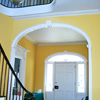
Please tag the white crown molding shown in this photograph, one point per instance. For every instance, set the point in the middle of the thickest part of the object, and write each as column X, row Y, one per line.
column 56, row 14
column 74, row 43
column 15, row 12
column 20, row 47
column 48, row 44
column 28, row 38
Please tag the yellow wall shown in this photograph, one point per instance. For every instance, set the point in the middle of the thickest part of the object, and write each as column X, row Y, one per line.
column 30, row 63
column 6, row 31
column 88, row 23
column 44, row 51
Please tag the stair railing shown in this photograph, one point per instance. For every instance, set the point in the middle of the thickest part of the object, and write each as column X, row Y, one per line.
column 26, row 3
column 11, row 87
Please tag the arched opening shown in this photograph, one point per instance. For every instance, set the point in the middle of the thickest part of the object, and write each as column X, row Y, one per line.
column 81, row 32
column 72, row 84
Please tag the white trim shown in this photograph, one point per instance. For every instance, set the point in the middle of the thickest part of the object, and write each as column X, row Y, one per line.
column 21, row 53
column 61, row 53
column 27, row 10
column 26, row 31
column 46, row 11
column 65, row 52
column 76, row 63
column 25, row 50
column 13, row 56
column 72, row 43
column 3, row 98
column 90, row 72
column 56, row 14
column 28, row 38
column 85, row 76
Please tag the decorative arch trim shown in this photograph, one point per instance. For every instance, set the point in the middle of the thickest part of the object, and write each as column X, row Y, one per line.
column 65, row 52
column 50, row 24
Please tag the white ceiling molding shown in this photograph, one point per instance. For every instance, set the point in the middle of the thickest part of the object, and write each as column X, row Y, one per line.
column 28, row 38
column 49, row 23
column 54, row 9
column 51, row 31
column 13, row 12
column 75, row 43
column 47, row 44
column 51, row 35
column 56, row 14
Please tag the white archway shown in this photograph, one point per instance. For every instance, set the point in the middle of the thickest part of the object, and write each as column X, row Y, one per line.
column 49, row 24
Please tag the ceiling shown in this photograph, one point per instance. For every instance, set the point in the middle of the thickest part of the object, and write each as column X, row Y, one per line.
column 65, row 8
column 61, row 35
column 55, row 35
column 76, row 5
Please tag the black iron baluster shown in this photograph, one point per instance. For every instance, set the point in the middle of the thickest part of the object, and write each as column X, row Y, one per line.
column 27, row 3
column 11, row 5
column 14, row 6
column 51, row 1
column 19, row 5
column 0, row 56
column 0, row 68
column 4, row 2
column 43, row 1
column 33, row 2
column 48, row 1
column 7, row 3
column 37, row 2
column 23, row 5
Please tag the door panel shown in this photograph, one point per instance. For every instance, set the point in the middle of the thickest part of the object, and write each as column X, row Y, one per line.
column 65, row 80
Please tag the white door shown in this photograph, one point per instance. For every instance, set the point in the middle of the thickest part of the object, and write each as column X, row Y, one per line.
column 64, row 85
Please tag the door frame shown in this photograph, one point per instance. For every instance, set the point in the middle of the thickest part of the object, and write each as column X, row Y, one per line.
column 21, row 53
column 60, row 53
column 24, row 62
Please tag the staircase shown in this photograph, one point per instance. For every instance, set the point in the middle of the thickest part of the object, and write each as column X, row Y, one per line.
column 11, row 87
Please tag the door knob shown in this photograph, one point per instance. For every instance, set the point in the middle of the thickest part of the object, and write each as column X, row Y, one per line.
column 56, row 87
